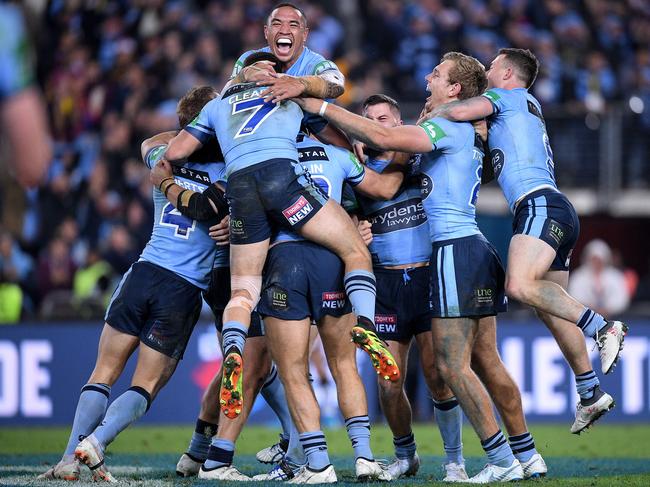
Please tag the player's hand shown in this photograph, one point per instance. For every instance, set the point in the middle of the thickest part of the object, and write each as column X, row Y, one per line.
column 220, row 232
column 261, row 70
column 365, row 230
column 358, row 148
column 162, row 170
column 480, row 127
column 281, row 88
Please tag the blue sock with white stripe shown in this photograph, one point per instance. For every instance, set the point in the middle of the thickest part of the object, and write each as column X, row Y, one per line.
column 234, row 335
column 523, row 446
column 586, row 384
column 450, row 422
column 405, row 446
column 591, row 322
column 315, row 447
column 220, row 454
column 497, row 450
column 201, row 438
column 361, row 289
column 91, row 408
column 126, row 409
column 359, row 433
column 273, row 393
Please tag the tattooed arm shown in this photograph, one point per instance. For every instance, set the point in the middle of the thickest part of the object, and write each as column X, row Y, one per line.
column 463, row 110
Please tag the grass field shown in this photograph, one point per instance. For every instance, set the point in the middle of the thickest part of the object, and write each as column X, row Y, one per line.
column 607, row 455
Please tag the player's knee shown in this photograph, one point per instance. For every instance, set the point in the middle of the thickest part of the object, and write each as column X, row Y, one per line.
column 390, row 390
column 245, row 292
column 516, row 289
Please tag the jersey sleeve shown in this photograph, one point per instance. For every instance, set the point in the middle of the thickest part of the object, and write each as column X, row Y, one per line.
column 16, row 63
column 441, row 133
column 201, row 127
column 352, row 168
column 239, row 64
column 154, row 155
column 499, row 99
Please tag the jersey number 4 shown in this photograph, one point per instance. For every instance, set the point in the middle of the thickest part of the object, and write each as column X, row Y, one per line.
column 261, row 110
column 182, row 225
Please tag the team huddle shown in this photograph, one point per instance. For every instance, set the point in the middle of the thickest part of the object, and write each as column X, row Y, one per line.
column 284, row 211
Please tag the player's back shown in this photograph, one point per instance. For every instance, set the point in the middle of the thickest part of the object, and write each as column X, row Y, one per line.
column 250, row 130
column 399, row 226
column 519, row 146
column 178, row 243
column 328, row 168
column 451, row 179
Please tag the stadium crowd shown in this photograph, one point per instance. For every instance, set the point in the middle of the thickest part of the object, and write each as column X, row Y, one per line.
column 112, row 73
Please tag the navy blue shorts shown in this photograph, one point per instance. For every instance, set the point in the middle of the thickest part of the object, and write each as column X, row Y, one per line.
column 549, row 216
column 402, row 307
column 157, row 306
column 303, row 279
column 278, row 192
column 217, row 297
column 467, row 278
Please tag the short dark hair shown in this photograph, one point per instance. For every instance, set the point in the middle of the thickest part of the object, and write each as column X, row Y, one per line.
column 468, row 72
column 191, row 104
column 525, row 63
column 258, row 56
column 287, row 4
column 378, row 99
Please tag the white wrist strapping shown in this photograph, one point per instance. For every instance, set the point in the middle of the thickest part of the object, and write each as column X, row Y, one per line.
column 323, row 107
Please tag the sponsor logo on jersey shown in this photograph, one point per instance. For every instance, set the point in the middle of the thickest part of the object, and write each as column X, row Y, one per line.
column 491, row 95
column 299, row 210
column 434, row 131
column 334, row 299
column 324, row 66
column 399, row 216
column 426, row 186
column 386, row 323
column 192, row 174
column 315, row 153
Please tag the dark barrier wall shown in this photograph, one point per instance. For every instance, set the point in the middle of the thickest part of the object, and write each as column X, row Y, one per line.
column 43, row 367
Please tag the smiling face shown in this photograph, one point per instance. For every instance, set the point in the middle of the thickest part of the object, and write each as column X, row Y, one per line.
column 286, row 33
column 438, row 84
column 384, row 114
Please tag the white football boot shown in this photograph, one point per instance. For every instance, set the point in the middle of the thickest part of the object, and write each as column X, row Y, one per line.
column 404, row 467
column 535, row 467
column 455, row 472
column 586, row 415
column 369, row 470
column 610, row 341
column 309, row 476
column 494, row 473
column 225, row 472
column 90, row 453
column 271, row 454
column 64, row 470
column 188, row 466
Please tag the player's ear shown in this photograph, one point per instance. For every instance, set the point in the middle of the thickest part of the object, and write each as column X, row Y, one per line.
column 455, row 89
column 266, row 32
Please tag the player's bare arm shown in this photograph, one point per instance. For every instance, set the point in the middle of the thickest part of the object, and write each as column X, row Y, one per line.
column 283, row 87
column 181, row 146
column 384, row 185
column 158, row 139
column 405, row 138
column 463, row 110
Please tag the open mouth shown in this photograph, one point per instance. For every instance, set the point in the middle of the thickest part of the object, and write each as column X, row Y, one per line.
column 283, row 46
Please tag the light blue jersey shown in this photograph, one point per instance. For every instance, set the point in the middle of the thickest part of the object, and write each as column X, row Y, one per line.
column 519, row 147
column 329, row 167
column 400, row 234
column 16, row 67
column 178, row 243
column 249, row 130
column 309, row 63
column 451, row 179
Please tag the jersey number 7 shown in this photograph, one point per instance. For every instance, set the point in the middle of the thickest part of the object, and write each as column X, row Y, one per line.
column 261, row 111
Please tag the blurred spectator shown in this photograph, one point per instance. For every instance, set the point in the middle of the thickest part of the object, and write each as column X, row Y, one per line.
column 55, row 268
column 11, row 301
column 121, row 252
column 597, row 283
column 93, row 281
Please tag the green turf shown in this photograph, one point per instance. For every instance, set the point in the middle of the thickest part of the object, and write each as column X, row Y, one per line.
column 607, row 455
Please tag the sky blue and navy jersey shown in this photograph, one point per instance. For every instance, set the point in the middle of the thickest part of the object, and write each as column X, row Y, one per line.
column 309, row 63
column 16, row 67
column 329, row 167
column 400, row 234
column 451, row 179
column 249, row 130
column 519, row 147
column 178, row 243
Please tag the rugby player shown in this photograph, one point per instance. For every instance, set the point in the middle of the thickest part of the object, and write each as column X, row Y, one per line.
column 545, row 225
column 303, row 281
column 154, row 308
column 400, row 251
column 266, row 186
column 467, row 279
